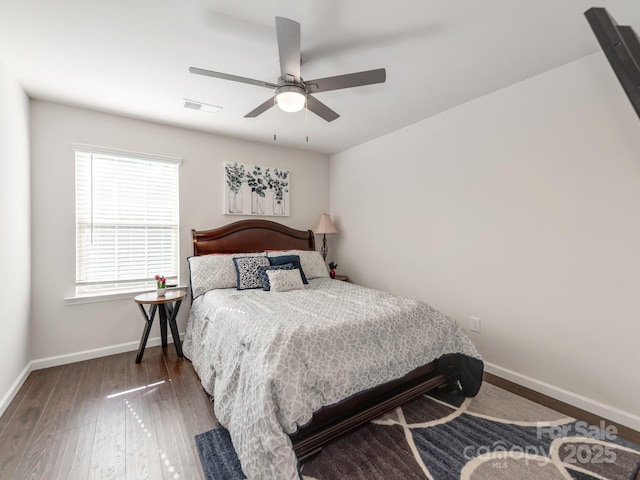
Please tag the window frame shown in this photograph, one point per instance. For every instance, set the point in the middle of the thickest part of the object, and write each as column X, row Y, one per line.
column 81, row 296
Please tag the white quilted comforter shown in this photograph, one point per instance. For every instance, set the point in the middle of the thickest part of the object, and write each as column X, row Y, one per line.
column 270, row 359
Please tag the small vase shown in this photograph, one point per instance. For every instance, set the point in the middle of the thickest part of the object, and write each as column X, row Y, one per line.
column 161, row 292
column 332, row 273
column 235, row 202
column 257, row 204
column 278, row 205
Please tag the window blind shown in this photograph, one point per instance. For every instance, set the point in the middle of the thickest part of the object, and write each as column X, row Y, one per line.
column 126, row 221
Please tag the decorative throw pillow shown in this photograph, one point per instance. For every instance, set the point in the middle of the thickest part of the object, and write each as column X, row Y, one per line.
column 311, row 261
column 292, row 259
column 208, row 272
column 264, row 278
column 247, row 271
column 285, row 280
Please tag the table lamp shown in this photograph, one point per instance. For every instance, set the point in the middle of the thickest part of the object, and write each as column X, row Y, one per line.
column 325, row 227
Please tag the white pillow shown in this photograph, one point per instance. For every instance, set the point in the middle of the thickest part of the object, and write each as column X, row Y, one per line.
column 311, row 262
column 285, row 280
column 208, row 272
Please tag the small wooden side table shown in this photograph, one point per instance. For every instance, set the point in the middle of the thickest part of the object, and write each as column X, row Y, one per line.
column 342, row 278
column 168, row 306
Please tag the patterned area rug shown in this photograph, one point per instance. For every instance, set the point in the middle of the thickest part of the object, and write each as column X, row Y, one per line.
column 496, row 435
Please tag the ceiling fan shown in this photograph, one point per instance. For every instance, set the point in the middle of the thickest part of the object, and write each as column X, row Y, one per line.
column 292, row 93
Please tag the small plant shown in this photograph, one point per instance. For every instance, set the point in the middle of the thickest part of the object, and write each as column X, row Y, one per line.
column 278, row 183
column 256, row 181
column 235, row 175
column 161, row 281
column 332, row 269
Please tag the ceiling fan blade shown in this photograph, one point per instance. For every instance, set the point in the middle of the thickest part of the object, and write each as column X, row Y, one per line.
column 233, row 78
column 347, row 81
column 263, row 107
column 320, row 109
column 288, row 32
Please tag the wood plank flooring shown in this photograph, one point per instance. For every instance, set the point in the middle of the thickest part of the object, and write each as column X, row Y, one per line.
column 110, row 418
column 107, row 418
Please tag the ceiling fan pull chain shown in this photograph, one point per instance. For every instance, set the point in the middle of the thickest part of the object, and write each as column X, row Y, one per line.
column 275, row 116
column 306, row 121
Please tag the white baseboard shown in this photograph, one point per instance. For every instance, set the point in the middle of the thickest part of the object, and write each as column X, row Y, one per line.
column 58, row 360
column 609, row 412
column 6, row 400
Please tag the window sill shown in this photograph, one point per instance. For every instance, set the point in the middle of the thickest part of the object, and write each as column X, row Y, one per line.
column 107, row 297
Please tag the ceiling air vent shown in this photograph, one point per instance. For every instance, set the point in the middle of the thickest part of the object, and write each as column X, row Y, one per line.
column 203, row 107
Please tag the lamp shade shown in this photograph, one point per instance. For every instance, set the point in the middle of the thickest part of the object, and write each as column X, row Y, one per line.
column 325, row 225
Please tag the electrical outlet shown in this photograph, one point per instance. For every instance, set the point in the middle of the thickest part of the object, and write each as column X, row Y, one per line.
column 475, row 324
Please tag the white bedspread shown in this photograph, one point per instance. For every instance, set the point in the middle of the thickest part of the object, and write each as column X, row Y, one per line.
column 270, row 359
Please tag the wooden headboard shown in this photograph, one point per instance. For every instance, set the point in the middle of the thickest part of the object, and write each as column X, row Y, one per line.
column 251, row 236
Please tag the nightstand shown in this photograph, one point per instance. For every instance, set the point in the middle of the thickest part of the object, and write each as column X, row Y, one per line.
column 342, row 278
column 168, row 307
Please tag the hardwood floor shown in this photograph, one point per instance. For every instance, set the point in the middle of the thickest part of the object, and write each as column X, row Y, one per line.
column 110, row 418
column 107, row 418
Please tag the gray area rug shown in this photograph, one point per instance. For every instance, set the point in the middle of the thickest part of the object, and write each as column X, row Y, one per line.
column 496, row 435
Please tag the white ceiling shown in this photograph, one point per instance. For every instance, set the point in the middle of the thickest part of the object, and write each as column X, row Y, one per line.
column 131, row 57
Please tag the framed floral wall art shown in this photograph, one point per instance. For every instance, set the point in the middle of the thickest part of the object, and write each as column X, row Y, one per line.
column 255, row 190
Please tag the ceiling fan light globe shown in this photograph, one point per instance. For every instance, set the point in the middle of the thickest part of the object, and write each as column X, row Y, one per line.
column 291, row 98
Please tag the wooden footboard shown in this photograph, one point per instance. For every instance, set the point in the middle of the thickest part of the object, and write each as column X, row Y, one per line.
column 333, row 421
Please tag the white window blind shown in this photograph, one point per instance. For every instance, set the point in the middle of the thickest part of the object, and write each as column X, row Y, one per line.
column 126, row 220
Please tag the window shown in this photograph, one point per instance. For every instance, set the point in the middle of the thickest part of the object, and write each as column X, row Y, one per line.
column 126, row 220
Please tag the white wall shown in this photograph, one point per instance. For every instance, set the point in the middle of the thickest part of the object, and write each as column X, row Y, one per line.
column 62, row 329
column 521, row 208
column 15, row 241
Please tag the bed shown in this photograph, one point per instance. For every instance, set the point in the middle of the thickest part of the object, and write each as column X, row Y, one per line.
column 234, row 346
